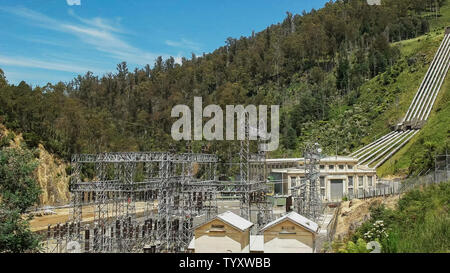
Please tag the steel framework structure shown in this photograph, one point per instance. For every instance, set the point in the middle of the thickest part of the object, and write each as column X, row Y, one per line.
column 306, row 195
column 120, row 180
column 253, row 179
column 150, row 199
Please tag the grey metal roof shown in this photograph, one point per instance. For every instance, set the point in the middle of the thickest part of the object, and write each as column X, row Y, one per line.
column 235, row 220
column 296, row 218
column 334, row 158
column 338, row 158
column 280, row 160
column 359, row 169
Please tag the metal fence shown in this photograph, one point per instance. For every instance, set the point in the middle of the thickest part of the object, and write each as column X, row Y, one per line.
column 441, row 173
column 395, row 187
column 331, row 227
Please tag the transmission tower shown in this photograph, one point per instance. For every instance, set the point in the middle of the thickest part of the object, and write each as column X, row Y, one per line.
column 306, row 195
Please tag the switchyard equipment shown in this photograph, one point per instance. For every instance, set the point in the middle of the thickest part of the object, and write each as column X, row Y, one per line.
column 253, row 178
column 307, row 200
column 172, row 190
column 164, row 182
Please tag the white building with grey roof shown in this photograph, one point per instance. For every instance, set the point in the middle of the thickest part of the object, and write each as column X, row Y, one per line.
column 340, row 176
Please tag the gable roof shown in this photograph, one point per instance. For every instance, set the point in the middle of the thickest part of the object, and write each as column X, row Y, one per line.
column 232, row 219
column 296, row 218
column 235, row 220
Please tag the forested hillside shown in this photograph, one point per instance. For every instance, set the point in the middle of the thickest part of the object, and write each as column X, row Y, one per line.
column 316, row 65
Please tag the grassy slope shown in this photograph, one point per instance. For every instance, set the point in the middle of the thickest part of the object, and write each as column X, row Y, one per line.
column 394, row 98
column 399, row 94
column 437, row 128
column 407, row 83
column 440, row 23
column 419, row 223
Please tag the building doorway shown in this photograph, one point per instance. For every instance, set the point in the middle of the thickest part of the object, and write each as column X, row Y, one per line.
column 336, row 189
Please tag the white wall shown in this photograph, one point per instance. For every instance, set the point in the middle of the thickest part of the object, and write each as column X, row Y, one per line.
column 286, row 245
column 217, row 244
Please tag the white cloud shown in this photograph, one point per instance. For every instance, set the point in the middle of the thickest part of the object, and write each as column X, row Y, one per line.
column 100, row 22
column 184, row 44
column 74, row 2
column 49, row 65
column 97, row 32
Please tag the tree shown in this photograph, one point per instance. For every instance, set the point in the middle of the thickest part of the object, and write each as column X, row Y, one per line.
column 2, row 79
column 18, row 191
column 336, row 47
column 18, row 187
column 15, row 235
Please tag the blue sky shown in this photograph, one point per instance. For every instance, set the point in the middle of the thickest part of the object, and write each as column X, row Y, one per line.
column 55, row 40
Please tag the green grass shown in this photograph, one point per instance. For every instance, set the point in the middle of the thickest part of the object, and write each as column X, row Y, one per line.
column 419, row 223
column 436, row 132
column 371, row 111
column 391, row 101
column 382, row 102
column 388, row 96
column 437, row 128
column 439, row 23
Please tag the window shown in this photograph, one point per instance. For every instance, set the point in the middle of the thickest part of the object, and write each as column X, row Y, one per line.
column 360, row 193
column 350, row 181
column 288, row 229
column 293, row 181
column 322, row 185
column 331, row 167
column 217, row 228
column 341, row 167
column 350, row 191
column 322, row 167
column 369, row 181
column 350, row 167
column 360, row 181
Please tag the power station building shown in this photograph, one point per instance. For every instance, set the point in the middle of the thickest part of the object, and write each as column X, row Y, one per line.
column 339, row 176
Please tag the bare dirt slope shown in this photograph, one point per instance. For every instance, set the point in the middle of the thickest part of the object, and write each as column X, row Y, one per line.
column 353, row 213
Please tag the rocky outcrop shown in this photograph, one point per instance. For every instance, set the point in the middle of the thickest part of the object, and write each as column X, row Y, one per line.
column 355, row 212
column 50, row 174
column 52, row 177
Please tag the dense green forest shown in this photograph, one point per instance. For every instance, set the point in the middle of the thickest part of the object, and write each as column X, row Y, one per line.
column 312, row 64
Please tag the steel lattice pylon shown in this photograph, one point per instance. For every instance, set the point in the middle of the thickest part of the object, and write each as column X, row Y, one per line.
column 253, row 179
column 306, row 195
